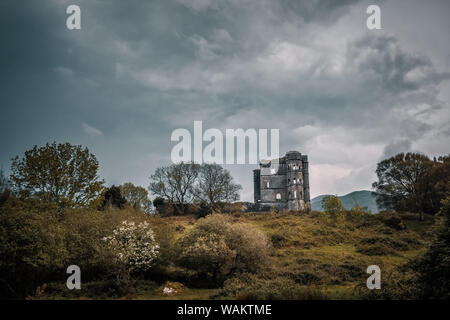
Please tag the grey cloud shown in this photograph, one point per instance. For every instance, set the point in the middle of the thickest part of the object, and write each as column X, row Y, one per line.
column 302, row 10
column 396, row 70
column 140, row 69
column 396, row 147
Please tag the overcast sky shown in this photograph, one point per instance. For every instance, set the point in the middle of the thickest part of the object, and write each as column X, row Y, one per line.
column 342, row 94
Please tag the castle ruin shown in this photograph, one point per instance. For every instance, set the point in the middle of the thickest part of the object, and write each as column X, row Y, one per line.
column 283, row 183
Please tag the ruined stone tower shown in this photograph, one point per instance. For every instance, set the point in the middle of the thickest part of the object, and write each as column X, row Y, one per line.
column 283, row 183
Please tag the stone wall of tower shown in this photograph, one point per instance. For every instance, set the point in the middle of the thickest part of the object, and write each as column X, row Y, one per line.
column 294, row 178
column 283, row 183
column 273, row 183
column 257, row 185
column 305, row 172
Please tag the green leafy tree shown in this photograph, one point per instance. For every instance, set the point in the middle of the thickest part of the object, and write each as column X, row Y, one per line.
column 32, row 248
column 333, row 206
column 216, row 185
column 438, row 179
column 136, row 196
column 113, row 198
column 411, row 182
column 60, row 173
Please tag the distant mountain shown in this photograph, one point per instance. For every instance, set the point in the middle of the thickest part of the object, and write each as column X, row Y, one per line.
column 364, row 198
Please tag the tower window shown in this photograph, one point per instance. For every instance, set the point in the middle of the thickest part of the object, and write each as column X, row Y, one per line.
column 278, row 196
column 267, row 184
column 295, row 194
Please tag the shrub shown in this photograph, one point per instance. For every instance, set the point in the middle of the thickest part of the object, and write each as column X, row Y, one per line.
column 357, row 213
column 324, row 217
column 278, row 240
column 251, row 247
column 104, row 289
column 204, row 209
column 133, row 246
column 216, row 248
column 235, row 207
column 399, row 284
column 434, row 266
column 376, row 249
column 394, row 221
column 251, row 287
column 388, row 241
column 32, row 247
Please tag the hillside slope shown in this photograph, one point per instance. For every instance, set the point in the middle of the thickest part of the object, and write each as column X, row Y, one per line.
column 364, row 198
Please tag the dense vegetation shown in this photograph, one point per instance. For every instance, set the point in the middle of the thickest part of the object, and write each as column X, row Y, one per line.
column 202, row 246
column 240, row 255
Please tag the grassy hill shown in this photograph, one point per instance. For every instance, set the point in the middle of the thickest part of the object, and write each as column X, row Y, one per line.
column 312, row 257
column 364, row 198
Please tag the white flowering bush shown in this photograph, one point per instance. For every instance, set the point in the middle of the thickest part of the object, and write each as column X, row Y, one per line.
column 133, row 245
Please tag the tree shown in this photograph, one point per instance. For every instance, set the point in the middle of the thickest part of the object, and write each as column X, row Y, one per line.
column 136, row 197
column 405, row 183
column 438, row 180
column 133, row 247
column 113, row 198
column 332, row 205
column 216, row 185
column 176, row 183
column 59, row 173
column 158, row 202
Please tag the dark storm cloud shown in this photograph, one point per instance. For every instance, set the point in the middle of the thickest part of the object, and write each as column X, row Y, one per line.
column 139, row 69
column 396, row 70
